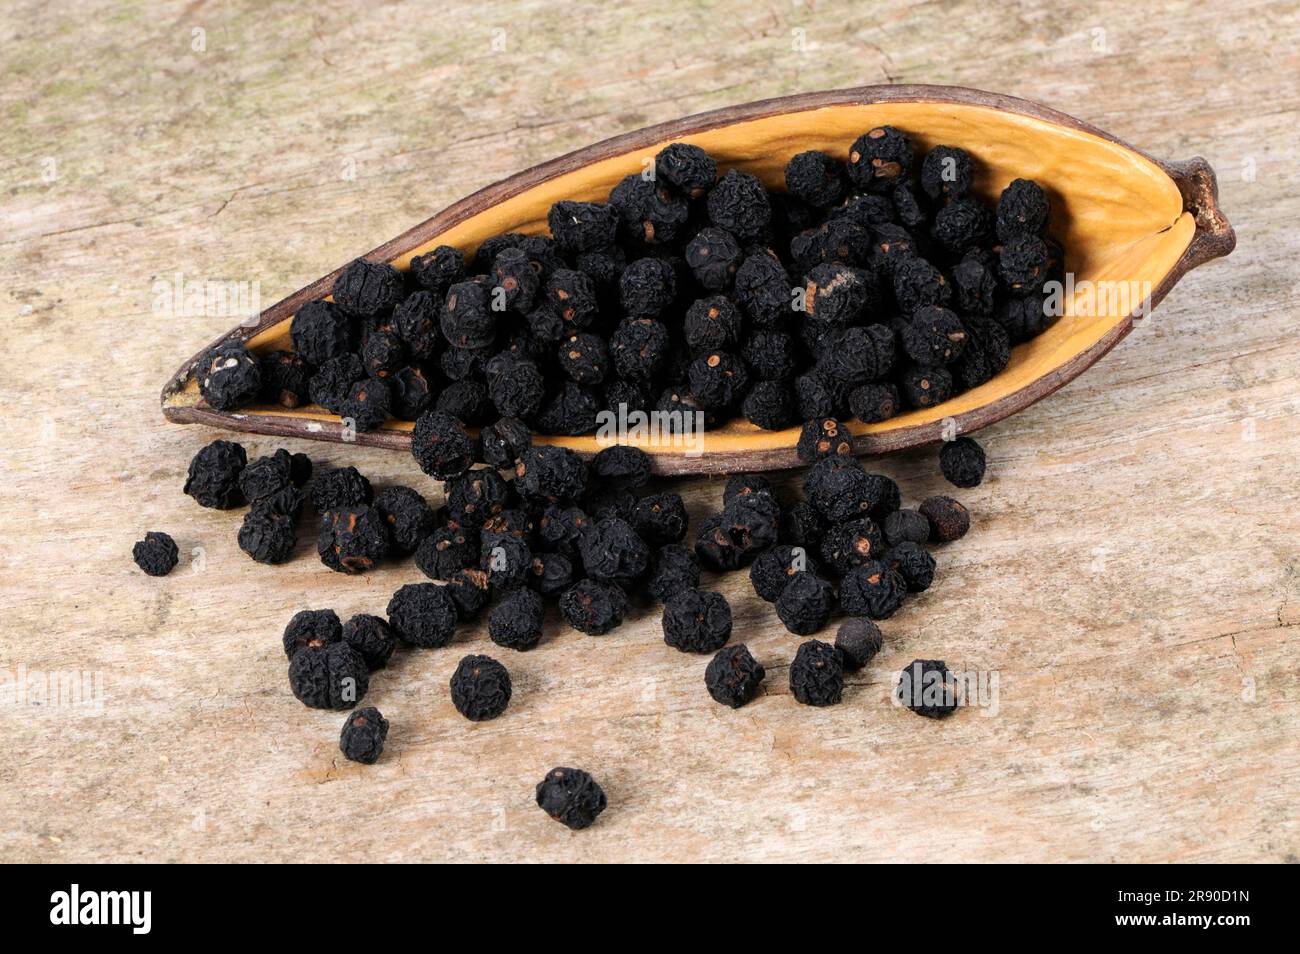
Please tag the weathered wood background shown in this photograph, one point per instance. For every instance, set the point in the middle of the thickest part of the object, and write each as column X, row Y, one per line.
column 1132, row 572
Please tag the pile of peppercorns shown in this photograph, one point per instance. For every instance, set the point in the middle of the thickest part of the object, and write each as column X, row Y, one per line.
column 674, row 295
column 858, row 290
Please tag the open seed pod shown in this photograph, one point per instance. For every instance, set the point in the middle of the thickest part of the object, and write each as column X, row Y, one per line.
column 1125, row 219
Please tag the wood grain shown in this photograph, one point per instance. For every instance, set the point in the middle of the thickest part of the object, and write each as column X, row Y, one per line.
column 1132, row 573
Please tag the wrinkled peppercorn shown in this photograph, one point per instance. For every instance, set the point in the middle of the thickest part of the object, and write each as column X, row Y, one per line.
column 593, row 607
column 823, row 438
column 213, row 477
column 352, row 539
column 550, row 473
column 516, row 622
column 697, row 621
column 156, row 554
column 776, row 567
column 962, row 462
column 441, row 445
column 913, row 564
column 674, row 569
column 363, row 735
column 370, row 636
column 928, row 688
column 733, row 676
column 480, row 688
column 229, row 377
column 423, row 614
column 408, row 515
column 817, row 674
column 805, row 604
column 367, row 288
column 342, row 487
column 660, row 518
column 612, row 552
column 874, row 590
column 328, row 676
column 1023, row 209
column 571, row 797
column 879, row 158
column 268, row 533
column 905, row 526
column 316, row 628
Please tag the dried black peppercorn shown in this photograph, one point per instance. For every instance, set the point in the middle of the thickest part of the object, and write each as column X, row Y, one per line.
column 805, row 603
column 423, row 614
column 879, row 158
column 905, row 526
column 840, row 489
column 438, row 270
column 961, row 225
column 329, row 676
column 731, row 539
column 408, row 515
column 321, row 331
column 1023, row 264
column 1023, row 209
column 817, row 674
column 370, row 636
column 815, row 178
column 858, row 640
column 815, row 396
column 156, row 554
column 1022, row 318
column 974, row 283
column 649, row 213
column 469, row 592
column 947, row 173
column 926, row 387
column 268, row 534
column 928, row 688
column 949, row 520
column 445, row 551
column 769, row 355
column 718, row 380
column 857, row 355
column 508, row 560
column 266, row 475
column 820, row 439
column 874, row 590
column 733, row 676
column 468, row 402
column 713, row 256
column 660, row 518
column 837, row 294
column 647, row 287
column 550, row 473
column 777, row 566
column 916, row 283
column 987, row 352
column 516, row 281
column 913, row 564
column 213, row 477
column 343, row 487
column 504, row 442
column 229, row 377
column 687, row 168
column 584, row 358
column 352, row 539
column 367, row 288
column 621, row 467
column 851, row 544
column 764, row 290
column 602, row 502
column 593, row 607
column 962, row 462
column 569, row 410
column 516, row 622
column 712, row 324
column 871, row 403
column 739, row 203
column 467, row 320
column 480, row 688
column 363, row 735
column 476, row 496
column 368, row 404
column 551, row 573
column 769, row 405
column 639, row 348
column 674, row 569
column 840, row 241
column 582, row 226
column 934, row 336
column 612, row 552
column 286, row 379
column 383, row 354
column 571, row 797
column 697, row 621
column 315, row 628
column 803, row 526
column 332, row 383
column 441, row 445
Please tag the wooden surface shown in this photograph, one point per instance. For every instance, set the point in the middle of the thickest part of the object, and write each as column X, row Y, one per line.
column 1131, row 574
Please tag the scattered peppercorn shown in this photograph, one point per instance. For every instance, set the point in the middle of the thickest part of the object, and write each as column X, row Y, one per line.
column 660, row 518
column 733, row 676
column 423, row 614
column 213, row 478
column 571, row 797
column 949, row 520
column 352, row 539
column 777, row 566
column 593, row 607
column 905, row 526
column 408, row 515
column 817, row 674
column 328, row 676
column 364, row 732
column 824, row 437
column 480, row 688
column 805, row 604
column 674, row 570
column 962, row 462
column 342, row 487
column 516, row 622
column 697, row 621
column 858, row 641
column 229, row 377
column 156, row 554
column 874, row 590
column 928, row 688
column 366, row 288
